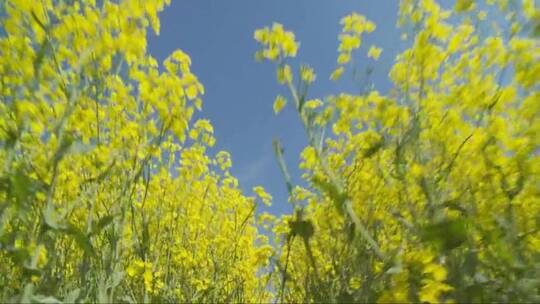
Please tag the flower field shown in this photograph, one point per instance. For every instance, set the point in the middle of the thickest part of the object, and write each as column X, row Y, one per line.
column 111, row 191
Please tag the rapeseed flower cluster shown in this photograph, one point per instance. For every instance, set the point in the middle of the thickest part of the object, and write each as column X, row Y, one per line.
column 354, row 25
column 108, row 190
column 428, row 193
column 278, row 43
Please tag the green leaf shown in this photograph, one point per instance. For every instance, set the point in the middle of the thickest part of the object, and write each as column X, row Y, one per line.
column 102, row 223
column 41, row 54
column 345, row 297
column 278, row 150
column 528, row 286
column 470, row 263
column 39, row 22
column 373, row 149
column 23, row 186
column 396, row 268
column 46, row 300
column 117, row 278
column 29, row 271
column 72, row 296
column 447, row 234
column 65, row 146
column 27, row 293
column 301, row 103
column 82, row 240
column 331, row 190
column 19, row 255
column 303, row 228
column 474, row 292
column 49, row 218
column 11, row 137
column 127, row 299
column 102, row 295
column 454, row 205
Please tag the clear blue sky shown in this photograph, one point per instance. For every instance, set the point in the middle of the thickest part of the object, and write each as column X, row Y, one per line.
column 218, row 35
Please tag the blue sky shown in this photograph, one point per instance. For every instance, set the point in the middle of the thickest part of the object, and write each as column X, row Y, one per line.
column 218, row 35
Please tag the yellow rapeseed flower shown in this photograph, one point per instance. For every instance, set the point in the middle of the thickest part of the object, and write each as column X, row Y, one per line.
column 374, row 52
column 279, row 104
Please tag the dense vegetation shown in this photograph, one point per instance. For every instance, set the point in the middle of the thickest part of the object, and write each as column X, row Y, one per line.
column 429, row 193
